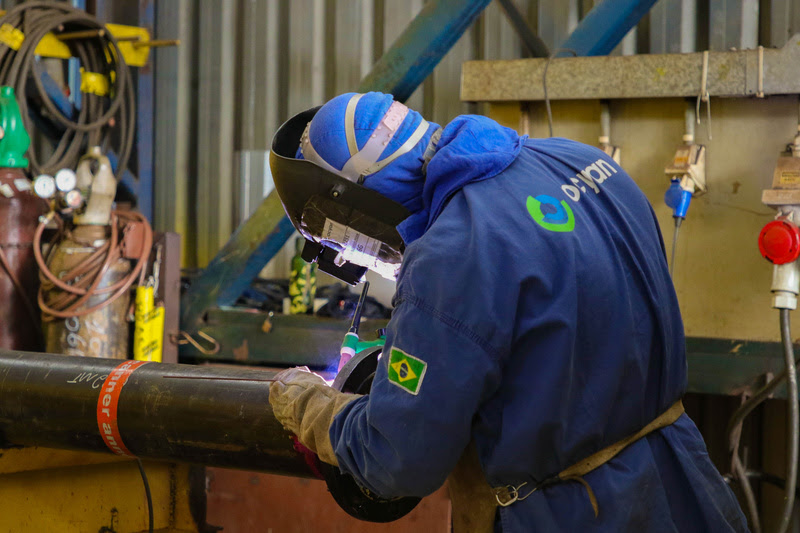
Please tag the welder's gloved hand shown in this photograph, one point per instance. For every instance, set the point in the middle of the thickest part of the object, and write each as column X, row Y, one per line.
column 305, row 405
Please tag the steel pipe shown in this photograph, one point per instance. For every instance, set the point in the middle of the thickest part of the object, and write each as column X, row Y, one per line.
column 215, row 416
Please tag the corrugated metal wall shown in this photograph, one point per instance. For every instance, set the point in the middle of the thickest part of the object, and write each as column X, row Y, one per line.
column 244, row 66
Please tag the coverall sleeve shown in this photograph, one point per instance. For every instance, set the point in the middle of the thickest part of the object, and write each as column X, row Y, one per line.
column 405, row 437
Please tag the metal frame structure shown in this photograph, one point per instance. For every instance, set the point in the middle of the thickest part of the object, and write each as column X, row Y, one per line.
column 737, row 73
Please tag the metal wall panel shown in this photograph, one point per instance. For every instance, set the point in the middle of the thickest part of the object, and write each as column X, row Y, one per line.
column 256, row 29
column 215, row 125
column 673, row 27
column 498, row 40
column 244, row 66
column 733, row 24
column 397, row 15
column 300, row 52
column 349, row 57
column 444, row 83
column 174, row 101
column 780, row 21
column 556, row 21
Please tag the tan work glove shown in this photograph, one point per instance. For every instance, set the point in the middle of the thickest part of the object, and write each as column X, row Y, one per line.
column 305, row 405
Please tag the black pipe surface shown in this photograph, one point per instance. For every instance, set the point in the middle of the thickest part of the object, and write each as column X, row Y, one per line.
column 164, row 411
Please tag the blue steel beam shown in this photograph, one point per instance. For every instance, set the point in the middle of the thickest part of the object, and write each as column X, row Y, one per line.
column 426, row 40
column 145, row 89
column 410, row 59
column 604, row 27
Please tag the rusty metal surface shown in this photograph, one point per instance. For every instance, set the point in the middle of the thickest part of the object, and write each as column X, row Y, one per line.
column 169, row 288
column 19, row 216
column 256, row 338
column 220, row 420
column 730, row 74
column 102, row 333
column 242, row 502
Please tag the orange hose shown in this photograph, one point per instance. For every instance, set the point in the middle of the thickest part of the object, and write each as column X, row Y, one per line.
column 89, row 272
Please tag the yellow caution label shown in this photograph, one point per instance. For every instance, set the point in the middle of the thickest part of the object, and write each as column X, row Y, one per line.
column 790, row 177
column 11, row 36
column 148, row 336
column 94, row 83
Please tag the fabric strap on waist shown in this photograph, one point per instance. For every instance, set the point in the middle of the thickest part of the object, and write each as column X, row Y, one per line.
column 475, row 501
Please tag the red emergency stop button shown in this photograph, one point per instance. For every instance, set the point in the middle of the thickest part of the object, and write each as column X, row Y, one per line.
column 779, row 242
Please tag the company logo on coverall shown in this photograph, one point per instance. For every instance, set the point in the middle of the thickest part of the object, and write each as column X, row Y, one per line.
column 406, row 371
column 555, row 215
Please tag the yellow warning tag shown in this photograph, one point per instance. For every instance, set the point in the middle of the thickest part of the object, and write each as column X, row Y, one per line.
column 11, row 36
column 148, row 333
column 790, row 177
column 94, row 83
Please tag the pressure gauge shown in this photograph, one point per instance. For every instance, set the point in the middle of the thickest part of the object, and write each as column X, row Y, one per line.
column 44, row 186
column 74, row 199
column 66, row 180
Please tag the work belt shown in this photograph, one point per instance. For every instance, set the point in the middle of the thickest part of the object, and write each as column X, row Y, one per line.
column 475, row 501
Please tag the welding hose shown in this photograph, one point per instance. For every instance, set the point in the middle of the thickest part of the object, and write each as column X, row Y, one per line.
column 98, row 114
column 793, row 424
column 793, row 427
column 89, row 273
column 678, row 221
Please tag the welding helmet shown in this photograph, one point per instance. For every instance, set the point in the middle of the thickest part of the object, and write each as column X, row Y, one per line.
column 320, row 160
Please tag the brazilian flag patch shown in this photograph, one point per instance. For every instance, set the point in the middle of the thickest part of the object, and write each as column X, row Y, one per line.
column 406, row 371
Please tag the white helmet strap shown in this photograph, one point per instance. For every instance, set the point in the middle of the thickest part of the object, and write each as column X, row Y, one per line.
column 365, row 161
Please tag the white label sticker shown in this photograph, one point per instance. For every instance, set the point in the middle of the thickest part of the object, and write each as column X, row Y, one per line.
column 22, row 184
column 358, row 248
column 7, row 191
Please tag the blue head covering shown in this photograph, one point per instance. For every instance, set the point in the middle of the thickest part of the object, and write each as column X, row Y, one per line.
column 471, row 148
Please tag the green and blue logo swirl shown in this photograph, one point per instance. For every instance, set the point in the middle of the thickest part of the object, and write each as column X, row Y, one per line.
column 551, row 214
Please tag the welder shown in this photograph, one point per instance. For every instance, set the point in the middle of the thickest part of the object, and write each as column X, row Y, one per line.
column 536, row 351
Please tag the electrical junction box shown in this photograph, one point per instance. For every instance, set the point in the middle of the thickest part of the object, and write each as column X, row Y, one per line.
column 689, row 166
column 785, row 184
column 614, row 152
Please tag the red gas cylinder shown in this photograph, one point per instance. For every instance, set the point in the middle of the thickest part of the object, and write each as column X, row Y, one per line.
column 19, row 215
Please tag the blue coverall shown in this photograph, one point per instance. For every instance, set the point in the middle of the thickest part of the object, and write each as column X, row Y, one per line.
column 536, row 316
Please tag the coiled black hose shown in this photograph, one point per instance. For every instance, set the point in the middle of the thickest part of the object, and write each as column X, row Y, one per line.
column 98, row 115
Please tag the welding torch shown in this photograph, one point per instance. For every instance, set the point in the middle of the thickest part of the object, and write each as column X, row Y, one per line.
column 352, row 344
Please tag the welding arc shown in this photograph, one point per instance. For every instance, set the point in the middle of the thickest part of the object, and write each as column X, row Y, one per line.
column 98, row 115
column 79, row 284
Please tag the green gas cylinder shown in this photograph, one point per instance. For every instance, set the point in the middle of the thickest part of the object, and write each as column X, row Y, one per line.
column 15, row 140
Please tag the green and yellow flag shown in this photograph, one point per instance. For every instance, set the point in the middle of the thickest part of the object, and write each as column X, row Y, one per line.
column 406, row 371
